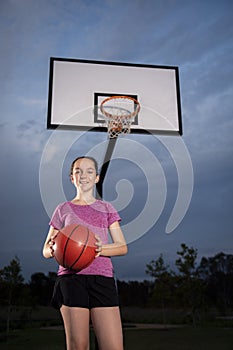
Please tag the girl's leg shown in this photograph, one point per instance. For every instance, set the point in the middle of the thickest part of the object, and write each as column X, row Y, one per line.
column 108, row 329
column 76, row 324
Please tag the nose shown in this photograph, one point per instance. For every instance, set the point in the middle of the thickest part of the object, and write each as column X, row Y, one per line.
column 83, row 175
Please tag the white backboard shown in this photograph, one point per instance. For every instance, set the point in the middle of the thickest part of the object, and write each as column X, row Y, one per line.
column 77, row 87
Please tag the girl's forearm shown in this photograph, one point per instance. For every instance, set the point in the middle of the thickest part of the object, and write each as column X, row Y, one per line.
column 114, row 249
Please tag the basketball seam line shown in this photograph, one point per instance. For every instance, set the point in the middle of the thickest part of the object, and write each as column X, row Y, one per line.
column 64, row 254
column 84, row 246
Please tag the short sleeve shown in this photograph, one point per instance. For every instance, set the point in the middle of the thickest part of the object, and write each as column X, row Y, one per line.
column 56, row 219
column 113, row 215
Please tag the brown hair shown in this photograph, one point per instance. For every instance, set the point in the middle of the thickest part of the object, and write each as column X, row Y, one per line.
column 84, row 157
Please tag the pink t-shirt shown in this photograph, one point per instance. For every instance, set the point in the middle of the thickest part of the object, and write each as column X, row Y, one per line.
column 97, row 217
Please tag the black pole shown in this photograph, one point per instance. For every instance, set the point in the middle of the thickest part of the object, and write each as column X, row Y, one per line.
column 107, row 159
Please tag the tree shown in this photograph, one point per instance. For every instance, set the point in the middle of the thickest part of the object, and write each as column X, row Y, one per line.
column 11, row 279
column 190, row 288
column 41, row 287
column 157, row 268
column 186, row 263
column 164, row 283
column 134, row 293
column 178, row 289
column 218, row 273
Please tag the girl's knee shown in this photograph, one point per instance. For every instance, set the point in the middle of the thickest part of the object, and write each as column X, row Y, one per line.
column 75, row 343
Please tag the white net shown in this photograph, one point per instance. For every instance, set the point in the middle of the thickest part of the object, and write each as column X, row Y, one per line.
column 118, row 126
column 119, row 113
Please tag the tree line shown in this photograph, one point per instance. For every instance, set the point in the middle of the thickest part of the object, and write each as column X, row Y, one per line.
column 191, row 286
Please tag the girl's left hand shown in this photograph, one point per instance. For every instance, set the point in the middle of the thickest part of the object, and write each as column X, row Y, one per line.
column 99, row 246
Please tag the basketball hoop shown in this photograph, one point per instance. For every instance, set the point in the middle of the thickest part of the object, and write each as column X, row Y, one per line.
column 119, row 113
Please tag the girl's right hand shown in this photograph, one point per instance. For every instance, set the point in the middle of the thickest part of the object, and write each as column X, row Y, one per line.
column 48, row 248
column 51, row 245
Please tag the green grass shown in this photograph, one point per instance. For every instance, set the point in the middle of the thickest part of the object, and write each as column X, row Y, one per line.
column 184, row 338
column 187, row 338
column 34, row 339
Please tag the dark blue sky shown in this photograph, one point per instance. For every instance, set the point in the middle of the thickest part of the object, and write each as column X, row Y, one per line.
column 197, row 37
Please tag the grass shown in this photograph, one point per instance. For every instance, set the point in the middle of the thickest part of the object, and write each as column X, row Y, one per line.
column 34, row 339
column 184, row 338
column 37, row 331
column 187, row 338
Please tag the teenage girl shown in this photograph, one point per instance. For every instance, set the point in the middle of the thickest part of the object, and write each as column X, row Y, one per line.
column 90, row 293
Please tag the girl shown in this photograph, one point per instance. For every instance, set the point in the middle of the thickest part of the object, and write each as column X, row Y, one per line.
column 90, row 293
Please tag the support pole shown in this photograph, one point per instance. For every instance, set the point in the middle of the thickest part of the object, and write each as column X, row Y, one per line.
column 107, row 159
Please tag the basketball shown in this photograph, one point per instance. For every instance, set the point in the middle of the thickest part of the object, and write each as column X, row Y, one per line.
column 75, row 247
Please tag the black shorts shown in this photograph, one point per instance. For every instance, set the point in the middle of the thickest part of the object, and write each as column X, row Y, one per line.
column 87, row 291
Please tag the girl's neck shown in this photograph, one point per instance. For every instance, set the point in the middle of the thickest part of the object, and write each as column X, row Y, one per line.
column 83, row 200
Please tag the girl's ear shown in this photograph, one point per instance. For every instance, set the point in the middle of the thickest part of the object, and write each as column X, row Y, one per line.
column 72, row 179
column 97, row 179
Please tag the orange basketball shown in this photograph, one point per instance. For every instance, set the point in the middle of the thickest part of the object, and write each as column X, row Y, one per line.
column 75, row 247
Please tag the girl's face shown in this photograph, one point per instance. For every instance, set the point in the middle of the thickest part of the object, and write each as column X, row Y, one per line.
column 84, row 175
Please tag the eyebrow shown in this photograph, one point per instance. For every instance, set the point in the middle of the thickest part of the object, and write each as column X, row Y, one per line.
column 90, row 168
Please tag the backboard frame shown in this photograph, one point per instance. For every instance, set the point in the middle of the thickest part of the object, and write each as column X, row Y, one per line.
column 51, row 124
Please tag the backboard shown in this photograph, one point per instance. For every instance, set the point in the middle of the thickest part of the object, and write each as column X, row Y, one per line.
column 77, row 88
